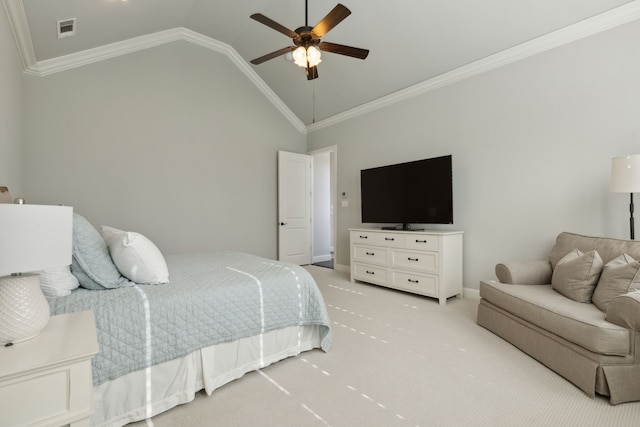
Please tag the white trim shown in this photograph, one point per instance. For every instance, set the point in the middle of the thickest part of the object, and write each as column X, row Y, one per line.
column 596, row 24
column 588, row 27
column 471, row 293
column 90, row 56
column 342, row 268
column 20, row 29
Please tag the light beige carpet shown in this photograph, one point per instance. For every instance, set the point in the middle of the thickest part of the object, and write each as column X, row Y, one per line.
column 400, row 360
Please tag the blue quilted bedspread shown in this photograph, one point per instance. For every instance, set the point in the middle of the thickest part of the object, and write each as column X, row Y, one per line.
column 211, row 298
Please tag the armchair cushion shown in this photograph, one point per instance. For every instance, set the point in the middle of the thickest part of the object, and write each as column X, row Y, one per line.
column 576, row 275
column 618, row 276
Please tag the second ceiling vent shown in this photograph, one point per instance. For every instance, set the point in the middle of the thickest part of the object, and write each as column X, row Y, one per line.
column 67, row 28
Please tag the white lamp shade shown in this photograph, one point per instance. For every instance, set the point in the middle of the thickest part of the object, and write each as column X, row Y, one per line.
column 625, row 174
column 34, row 237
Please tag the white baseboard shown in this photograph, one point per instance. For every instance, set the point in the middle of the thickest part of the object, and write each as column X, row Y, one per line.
column 471, row 293
column 341, row 267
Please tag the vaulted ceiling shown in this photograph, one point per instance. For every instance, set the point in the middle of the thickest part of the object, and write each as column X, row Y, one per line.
column 411, row 42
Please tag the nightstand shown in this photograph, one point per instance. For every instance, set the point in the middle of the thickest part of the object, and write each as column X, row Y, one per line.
column 46, row 381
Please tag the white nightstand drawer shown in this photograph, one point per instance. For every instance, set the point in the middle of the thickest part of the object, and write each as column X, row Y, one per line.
column 422, row 283
column 426, row 261
column 46, row 381
column 370, row 254
column 369, row 273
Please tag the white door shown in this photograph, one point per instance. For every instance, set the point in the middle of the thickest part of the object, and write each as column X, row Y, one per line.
column 294, row 208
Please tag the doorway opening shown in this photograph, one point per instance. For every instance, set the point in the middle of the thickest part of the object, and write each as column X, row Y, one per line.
column 323, row 230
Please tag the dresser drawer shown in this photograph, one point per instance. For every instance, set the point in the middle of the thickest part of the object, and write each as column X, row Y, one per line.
column 421, row 242
column 370, row 273
column 420, row 283
column 390, row 239
column 364, row 238
column 370, row 254
column 426, row 261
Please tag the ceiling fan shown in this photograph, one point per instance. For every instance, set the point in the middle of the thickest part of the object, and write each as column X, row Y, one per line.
column 307, row 43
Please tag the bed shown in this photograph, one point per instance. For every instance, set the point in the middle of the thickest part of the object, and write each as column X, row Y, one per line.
column 213, row 317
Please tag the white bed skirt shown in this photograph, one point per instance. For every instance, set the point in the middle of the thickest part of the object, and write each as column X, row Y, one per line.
column 148, row 392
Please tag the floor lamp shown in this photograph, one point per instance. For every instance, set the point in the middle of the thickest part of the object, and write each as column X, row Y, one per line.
column 625, row 178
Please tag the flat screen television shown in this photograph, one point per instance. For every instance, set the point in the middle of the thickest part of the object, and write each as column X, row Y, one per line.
column 417, row 192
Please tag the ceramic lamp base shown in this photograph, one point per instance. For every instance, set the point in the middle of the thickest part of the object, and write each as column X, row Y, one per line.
column 24, row 311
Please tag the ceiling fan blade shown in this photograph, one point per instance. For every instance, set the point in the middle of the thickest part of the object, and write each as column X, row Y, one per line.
column 272, row 55
column 332, row 19
column 341, row 49
column 273, row 24
column 312, row 73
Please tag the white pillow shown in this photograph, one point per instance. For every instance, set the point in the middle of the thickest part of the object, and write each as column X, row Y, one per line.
column 135, row 256
column 57, row 281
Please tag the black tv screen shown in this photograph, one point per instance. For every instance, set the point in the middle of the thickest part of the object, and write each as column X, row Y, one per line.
column 418, row 192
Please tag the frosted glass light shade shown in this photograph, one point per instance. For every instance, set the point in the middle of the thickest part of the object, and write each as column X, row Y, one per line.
column 300, row 56
column 32, row 238
column 625, row 174
column 313, row 56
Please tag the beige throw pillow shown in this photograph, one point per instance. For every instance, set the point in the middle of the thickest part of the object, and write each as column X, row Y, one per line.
column 619, row 276
column 577, row 274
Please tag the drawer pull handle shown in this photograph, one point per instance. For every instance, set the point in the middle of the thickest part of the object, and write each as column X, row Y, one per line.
column 412, row 259
column 421, row 241
column 370, row 253
column 370, row 272
column 413, row 281
column 389, row 238
column 364, row 237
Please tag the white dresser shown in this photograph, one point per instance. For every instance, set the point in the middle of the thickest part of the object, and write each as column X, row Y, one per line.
column 46, row 381
column 423, row 262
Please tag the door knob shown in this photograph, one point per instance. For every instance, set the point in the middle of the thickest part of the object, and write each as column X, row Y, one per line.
column 283, row 223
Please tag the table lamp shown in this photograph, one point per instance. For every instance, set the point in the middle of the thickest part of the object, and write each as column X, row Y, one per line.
column 625, row 178
column 32, row 238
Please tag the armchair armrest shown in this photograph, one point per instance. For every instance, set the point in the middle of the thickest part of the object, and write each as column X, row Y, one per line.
column 624, row 310
column 524, row 273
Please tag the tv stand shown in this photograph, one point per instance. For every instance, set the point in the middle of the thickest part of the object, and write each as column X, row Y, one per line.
column 422, row 262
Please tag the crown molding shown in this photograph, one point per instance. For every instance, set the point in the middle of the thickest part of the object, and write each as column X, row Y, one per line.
column 20, row 28
column 19, row 25
column 605, row 21
column 21, row 34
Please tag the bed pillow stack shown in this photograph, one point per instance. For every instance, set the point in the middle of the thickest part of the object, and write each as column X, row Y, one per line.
column 114, row 259
column 91, row 262
column 135, row 256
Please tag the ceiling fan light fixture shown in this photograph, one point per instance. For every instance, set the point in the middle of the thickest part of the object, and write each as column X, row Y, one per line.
column 306, row 48
column 300, row 56
column 313, row 56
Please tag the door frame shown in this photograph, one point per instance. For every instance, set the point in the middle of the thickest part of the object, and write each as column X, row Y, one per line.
column 333, row 165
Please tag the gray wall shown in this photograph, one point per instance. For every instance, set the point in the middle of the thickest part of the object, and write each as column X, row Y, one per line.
column 173, row 142
column 10, row 111
column 531, row 143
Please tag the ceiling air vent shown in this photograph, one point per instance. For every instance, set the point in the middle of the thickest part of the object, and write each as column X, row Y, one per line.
column 67, row 28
